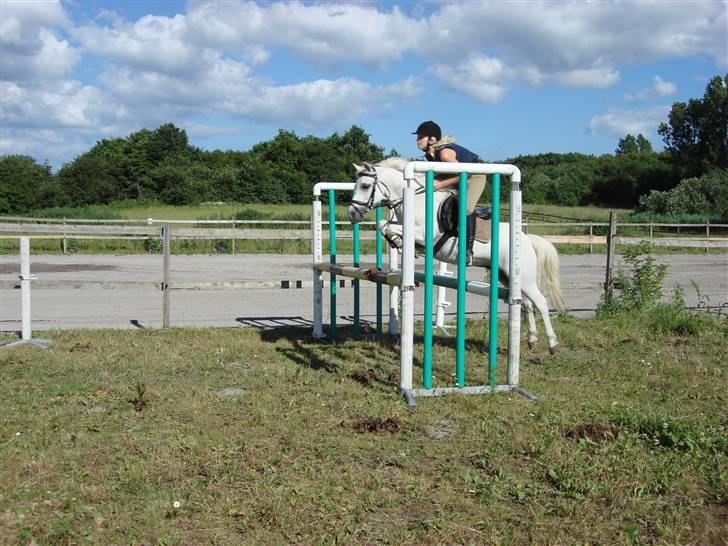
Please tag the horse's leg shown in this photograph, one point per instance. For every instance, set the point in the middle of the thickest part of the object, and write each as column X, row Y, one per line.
column 534, row 294
column 532, row 330
column 391, row 232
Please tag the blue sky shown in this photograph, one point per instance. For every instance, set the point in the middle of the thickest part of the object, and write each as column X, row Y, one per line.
column 504, row 78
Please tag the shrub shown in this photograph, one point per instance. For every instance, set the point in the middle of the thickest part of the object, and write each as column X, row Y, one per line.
column 89, row 212
column 641, row 288
column 706, row 195
column 674, row 318
column 251, row 214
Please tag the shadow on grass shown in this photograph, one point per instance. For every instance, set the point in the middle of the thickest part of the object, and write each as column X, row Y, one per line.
column 368, row 363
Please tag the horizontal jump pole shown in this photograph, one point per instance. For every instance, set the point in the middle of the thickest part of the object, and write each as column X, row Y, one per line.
column 394, row 278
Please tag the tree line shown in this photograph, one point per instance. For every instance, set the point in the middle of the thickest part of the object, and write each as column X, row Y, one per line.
column 161, row 165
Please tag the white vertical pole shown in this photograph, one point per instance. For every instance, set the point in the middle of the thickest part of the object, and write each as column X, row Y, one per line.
column 407, row 288
column 514, row 302
column 441, row 295
column 393, row 290
column 317, row 252
column 25, row 333
column 166, row 275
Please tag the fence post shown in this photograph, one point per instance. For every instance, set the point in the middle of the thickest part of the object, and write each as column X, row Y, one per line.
column 591, row 234
column 707, row 235
column 64, row 244
column 25, row 329
column 165, row 276
column 608, row 281
column 233, row 238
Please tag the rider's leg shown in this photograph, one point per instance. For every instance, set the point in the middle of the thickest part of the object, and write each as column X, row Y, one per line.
column 476, row 185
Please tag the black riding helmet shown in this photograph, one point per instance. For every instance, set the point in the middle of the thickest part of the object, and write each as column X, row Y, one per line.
column 430, row 129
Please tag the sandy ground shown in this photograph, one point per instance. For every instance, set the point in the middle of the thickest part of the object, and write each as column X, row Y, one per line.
column 106, row 291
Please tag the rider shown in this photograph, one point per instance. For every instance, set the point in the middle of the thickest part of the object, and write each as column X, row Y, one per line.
column 437, row 148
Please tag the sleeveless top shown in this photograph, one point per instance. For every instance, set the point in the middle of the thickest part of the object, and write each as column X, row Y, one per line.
column 462, row 154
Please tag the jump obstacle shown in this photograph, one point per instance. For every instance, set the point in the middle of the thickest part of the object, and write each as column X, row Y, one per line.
column 403, row 280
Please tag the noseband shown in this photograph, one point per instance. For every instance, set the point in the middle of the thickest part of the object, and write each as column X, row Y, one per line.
column 369, row 203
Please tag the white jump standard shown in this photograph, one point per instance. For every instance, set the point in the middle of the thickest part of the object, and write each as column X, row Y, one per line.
column 367, row 196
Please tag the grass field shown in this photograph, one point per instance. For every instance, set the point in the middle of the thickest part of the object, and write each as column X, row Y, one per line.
column 239, row 436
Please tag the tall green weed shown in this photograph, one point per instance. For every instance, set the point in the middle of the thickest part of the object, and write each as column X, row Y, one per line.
column 636, row 294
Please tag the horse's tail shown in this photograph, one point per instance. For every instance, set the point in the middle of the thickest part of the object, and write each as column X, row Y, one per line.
column 547, row 278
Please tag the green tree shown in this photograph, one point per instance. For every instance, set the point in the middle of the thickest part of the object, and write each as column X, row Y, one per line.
column 696, row 135
column 627, row 145
column 644, row 146
column 632, row 145
column 90, row 179
column 24, row 184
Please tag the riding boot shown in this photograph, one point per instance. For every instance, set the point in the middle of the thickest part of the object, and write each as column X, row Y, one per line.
column 470, row 238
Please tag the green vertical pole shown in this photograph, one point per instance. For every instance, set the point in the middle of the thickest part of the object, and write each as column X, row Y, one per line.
column 332, row 259
column 494, row 246
column 427, row 333
column 378, row 217
column 462, row 251
column 357, row 323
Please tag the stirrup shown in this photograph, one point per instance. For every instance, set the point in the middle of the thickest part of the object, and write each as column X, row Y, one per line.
column 469, row 259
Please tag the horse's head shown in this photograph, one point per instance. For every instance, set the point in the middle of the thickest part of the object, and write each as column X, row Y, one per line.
column 367, row 192
column 377, row 186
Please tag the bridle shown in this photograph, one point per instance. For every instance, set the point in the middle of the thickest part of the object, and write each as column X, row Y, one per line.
column 369, row 203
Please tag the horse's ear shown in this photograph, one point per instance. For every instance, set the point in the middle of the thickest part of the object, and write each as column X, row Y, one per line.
column 368, row 167
column 358, row 168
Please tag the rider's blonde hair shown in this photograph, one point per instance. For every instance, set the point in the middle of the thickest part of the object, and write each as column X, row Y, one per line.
column 431, row 148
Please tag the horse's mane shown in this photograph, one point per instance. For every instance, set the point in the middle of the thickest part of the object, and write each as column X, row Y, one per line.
column 398, row 164
column 394, row 163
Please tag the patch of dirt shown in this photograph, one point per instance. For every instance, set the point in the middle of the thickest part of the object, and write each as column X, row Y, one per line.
column 374, row 424
column 710, row 525
column 80, row 347
column 593, row 431
column 677, row 341
column 442, row 428
column 365, row 378
column 230, row 391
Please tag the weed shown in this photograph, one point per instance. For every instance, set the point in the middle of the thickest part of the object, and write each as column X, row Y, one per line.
column 641, row 288
column 140, row 402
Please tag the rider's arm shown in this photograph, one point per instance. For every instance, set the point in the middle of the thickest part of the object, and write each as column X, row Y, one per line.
column 447, row 181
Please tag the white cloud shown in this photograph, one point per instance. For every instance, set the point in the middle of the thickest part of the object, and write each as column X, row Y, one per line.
column 586, row 77
column 479, row 77
column 321, row 34
column 559, row 36
column 623, row 122
column 664, row 88
column 210, row 60
column 29, row 50
column 660, row 88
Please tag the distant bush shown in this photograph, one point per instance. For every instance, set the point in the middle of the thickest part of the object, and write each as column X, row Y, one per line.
column 251, row 214
column 647, row 217
column 703, row 196
column 89, row 212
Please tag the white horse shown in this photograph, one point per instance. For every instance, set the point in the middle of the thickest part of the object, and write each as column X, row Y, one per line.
column 383, row 185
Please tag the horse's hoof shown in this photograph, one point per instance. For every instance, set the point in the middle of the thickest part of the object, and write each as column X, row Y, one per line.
column 555, row 349
column 531, row 344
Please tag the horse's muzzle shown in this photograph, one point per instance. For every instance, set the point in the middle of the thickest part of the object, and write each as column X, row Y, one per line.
column 355, row 215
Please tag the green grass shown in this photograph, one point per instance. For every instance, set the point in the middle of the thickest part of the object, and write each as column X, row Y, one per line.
column 271, row 438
